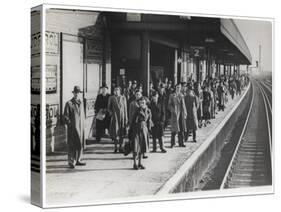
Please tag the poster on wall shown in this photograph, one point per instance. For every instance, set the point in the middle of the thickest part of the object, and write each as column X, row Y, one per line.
column 35, row 80
column 51, row 43
column 90, row 107
column 52, row 114
column 51, row 78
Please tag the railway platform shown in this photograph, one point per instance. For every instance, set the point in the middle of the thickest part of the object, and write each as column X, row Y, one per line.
column 111, row 176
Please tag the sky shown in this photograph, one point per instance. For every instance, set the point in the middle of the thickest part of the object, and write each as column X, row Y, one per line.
column 255, row 33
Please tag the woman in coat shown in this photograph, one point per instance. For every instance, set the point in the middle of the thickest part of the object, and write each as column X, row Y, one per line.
column 191, row 103
column 101, row 109
column 141, row 125
column 178, row 114
column 117, row 107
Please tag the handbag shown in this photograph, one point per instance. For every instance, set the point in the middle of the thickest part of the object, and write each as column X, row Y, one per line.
column 100, row 115
column 127, row 147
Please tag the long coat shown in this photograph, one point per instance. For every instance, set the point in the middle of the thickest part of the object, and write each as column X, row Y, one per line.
column 117, row 107
column 133, row 107
column 74, row 117
column 141, row 125
column 192, row 104
column 178, row 112
column 158, row 118
column 101, row 104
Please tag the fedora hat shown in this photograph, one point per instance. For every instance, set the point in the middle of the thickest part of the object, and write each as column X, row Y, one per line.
column 77, row 89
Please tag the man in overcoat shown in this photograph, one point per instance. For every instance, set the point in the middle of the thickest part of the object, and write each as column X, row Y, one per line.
column 177, row 108
column 74, row 118
column 117, row 107
column 158, row 118
column 191, row 103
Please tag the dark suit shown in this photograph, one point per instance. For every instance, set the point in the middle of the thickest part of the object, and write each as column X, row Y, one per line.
column 158, row 119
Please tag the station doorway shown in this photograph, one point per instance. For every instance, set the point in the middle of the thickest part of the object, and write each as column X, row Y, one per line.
column 72, row 66
column 162, row 63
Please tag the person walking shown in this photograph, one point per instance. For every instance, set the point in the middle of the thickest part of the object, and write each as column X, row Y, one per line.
column 117, row 107
column 102, row 115
column 141, row 125
column 191, row 103
column 74, row 117
column 178, row 115
column 158, row 118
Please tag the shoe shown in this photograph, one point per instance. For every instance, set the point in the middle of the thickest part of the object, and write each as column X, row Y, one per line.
column 71, row 166
column 135, row 167
column 144, row 156
column 154, row 150
column 80, row 164
column 115, row 151
column 194, row 141
column 141, row 166
column 163, row 151
column 121, row 150
column 182, row 145
column 172, row 145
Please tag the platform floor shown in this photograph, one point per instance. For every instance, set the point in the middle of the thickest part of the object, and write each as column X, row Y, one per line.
column 109, row 176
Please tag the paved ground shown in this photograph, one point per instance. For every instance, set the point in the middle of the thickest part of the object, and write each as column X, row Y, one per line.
column 111, row 176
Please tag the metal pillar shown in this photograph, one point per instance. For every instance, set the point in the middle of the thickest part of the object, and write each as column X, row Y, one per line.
column 145, row 58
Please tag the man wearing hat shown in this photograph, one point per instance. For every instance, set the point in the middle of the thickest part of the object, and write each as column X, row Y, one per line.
column 177, row 107
column 102, row 116
column 117, row 107
column 74, row 119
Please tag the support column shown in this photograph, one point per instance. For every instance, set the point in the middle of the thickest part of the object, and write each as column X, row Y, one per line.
column 176, row 67
column 145, row 62
column 197, row 70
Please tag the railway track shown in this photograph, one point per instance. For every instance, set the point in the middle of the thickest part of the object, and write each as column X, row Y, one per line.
column 251, row 162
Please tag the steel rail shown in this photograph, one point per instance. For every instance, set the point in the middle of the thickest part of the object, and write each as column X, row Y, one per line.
column 239, row 142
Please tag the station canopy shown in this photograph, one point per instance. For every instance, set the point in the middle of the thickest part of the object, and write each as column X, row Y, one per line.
column 219, row 37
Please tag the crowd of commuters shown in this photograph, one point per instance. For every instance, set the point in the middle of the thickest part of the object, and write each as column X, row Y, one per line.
column 184, row 108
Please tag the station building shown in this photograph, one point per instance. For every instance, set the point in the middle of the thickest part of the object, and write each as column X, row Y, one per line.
column 88, row 48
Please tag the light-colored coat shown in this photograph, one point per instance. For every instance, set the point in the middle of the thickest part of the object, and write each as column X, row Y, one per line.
column 177, row 107
column 74, row 118
column 192, row 104
column 117, row 107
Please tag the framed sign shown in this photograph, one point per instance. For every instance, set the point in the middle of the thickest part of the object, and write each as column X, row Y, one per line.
column 35, row 111
column 51, row 78
column 52, row 42
column 90, row 107
column 133, row 17
column 52, row 113
column 94, row 49
column 35, row 79
column 51, row 45
column 35, row 43
column 197, row 51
